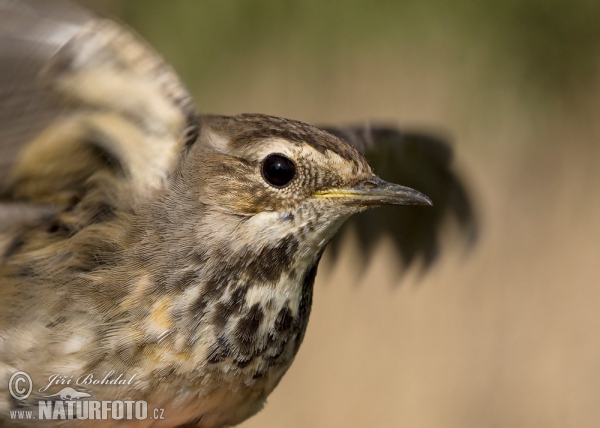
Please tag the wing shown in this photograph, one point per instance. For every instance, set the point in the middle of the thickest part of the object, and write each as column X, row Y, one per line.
column 30, row 33
column 423, row 162
column 81, row 94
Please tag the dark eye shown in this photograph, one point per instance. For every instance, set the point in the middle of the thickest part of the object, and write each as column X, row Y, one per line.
column 278, row 170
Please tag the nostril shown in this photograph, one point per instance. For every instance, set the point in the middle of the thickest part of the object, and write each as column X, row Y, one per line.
column 369, row 184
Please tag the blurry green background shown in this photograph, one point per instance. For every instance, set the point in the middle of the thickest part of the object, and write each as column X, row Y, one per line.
column 505, row 335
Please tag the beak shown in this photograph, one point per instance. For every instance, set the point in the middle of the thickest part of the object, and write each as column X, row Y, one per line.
column 375, row 191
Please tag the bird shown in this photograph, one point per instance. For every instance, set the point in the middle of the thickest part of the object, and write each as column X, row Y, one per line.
column 152, row 253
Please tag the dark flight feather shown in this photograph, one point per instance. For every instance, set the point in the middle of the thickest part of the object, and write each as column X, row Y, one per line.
column 420, row 160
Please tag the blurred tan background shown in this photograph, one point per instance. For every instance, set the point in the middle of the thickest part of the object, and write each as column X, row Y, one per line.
column 506, row 335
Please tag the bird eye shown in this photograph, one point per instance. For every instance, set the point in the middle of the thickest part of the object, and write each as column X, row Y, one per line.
column 278, row 170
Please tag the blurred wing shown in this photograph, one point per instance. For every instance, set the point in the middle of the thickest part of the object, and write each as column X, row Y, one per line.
column 81, row 93
column 30, row 33
column 420, row 161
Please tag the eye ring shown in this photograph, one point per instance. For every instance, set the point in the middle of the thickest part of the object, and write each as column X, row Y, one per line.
column 278, row 170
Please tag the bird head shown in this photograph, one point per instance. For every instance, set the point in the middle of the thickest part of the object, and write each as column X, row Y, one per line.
column 271, row 178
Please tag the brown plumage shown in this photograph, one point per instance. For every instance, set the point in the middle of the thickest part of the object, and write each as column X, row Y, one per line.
column 179, row 251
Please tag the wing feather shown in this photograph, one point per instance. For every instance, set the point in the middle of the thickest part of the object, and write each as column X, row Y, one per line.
column 82, row 92
column 423, row 161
